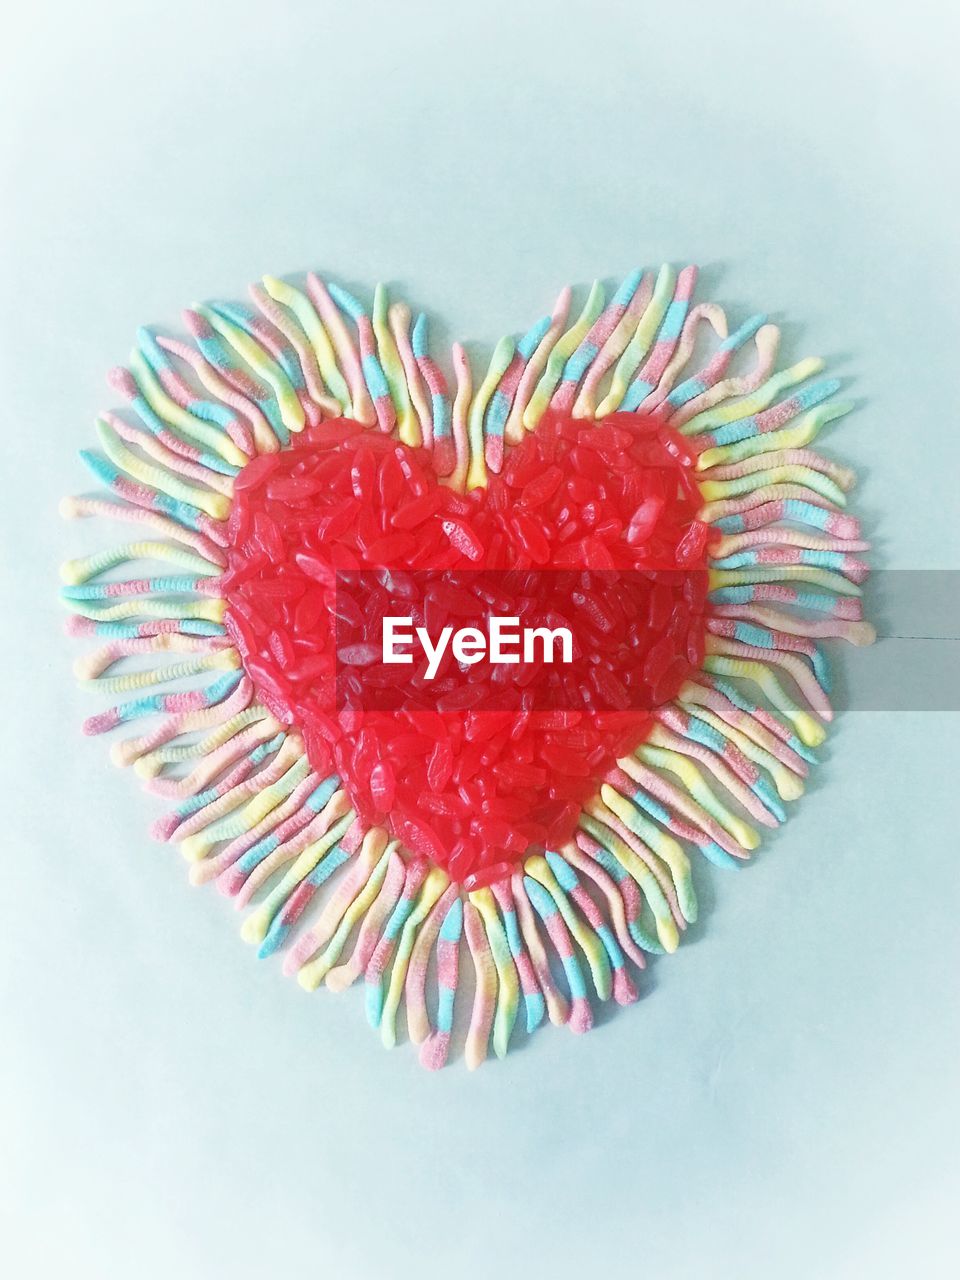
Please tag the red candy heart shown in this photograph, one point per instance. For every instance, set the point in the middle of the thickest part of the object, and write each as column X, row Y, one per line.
column 589, row 525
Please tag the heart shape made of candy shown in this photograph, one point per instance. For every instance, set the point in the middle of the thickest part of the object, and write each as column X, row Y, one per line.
column 595, row 524
column 302, row 471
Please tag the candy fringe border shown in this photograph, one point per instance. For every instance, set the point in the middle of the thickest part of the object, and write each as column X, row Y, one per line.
column 249, row 812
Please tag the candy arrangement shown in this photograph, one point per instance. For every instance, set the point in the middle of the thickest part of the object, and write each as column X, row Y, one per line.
column 468, row 774
column 304, row 472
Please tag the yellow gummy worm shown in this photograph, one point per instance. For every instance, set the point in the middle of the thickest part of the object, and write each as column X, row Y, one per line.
column 216, row 505
column 461, row 405
column 814, row 577
column 795, row 437
column 94, row 663
column 371, row 849
column 558, row 1009
column 224, row 659
column 208, row 377
column 340, row 976
column 723, row 490
column 247, row 815
column 560, row 354
column 150, row 764
column 485, row 994
column 257, row 923
column 663, row 845
column 789, row 786
column 758, row 400
column 502, row 355
column 614, row 347
column 513, row 428
column 810, row 731
column 408, row 428
column 431, row 889
column 691, row 777
column 313, row 973
column 508, row 996
column 74, row 572
column 211, row 610
column 399, row 318
column 632, row 862
column 639, row 344
column 587, row 939
column 203, row 433
column 312, row 326
column 248, row 349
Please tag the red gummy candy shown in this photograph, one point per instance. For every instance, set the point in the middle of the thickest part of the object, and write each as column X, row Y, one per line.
column 591, row 525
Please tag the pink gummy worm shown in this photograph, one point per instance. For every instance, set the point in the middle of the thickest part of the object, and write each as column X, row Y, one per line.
column 556, row 1001
column 732, row 715
column 433, row 1052
column 123, row 382
column 638, row 304
column 241, row 433
column 677, row 801
column 581, row 1015
column 241, row 381
column 223, row 757
column 528, row 978
column 163, row 829
column 484, row 1001
column 287, row 325
column 843, row 476
column 679, row 721
column 174, row 726
column 411, row 371
column 723, row 773
column 656, row 362
column 680, row 801
column 155, row 446
column 309, row 943
column 599, row 332
column 725, row 390
column 848, row 607
column 723, row 626
column 343, row 345
column 100, row 660
column 286, row 819
column 436, row 384
column 577, row 855
column 624, row 991
column 461, row 405
column 416, row 874
column 506, row 388
column 628, row 887
column 317, row 825
column 375, row 919
column 678, row 357
column 803, row 677
column 418, row 1017
column 654, row 865
column 531, row 375
column 821, row 628
column 113, row 510
column 734, row 542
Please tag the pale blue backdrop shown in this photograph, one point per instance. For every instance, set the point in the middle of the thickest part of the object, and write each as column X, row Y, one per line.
column 784, row 1101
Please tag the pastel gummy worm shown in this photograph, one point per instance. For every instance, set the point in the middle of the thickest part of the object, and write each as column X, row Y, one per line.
column 305, row 434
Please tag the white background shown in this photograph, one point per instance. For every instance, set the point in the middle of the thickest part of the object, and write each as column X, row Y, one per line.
column 783, row 1103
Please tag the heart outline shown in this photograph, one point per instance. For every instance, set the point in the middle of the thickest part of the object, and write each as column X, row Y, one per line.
column 253, row 375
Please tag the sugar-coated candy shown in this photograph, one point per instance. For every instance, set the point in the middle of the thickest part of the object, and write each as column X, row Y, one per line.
column 588, row 529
